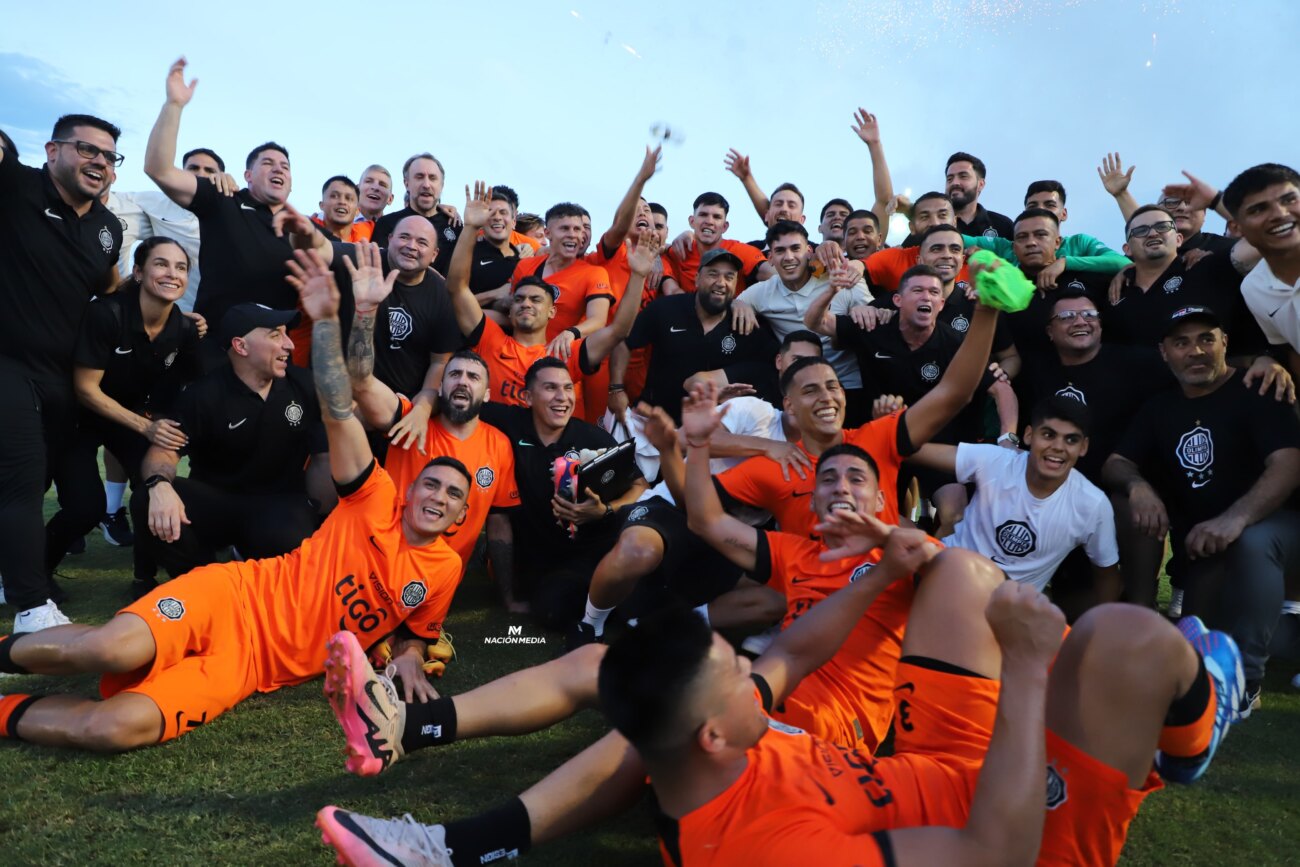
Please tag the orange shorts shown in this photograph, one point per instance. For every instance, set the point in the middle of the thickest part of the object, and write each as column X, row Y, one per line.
column 204, row 656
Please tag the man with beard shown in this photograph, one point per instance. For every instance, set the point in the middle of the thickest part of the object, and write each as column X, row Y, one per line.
column 376, row 188
column 58, row 248
column 964, row 181
column 423, row 177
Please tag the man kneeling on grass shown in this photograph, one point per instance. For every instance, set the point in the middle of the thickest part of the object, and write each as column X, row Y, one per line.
column 200, row 644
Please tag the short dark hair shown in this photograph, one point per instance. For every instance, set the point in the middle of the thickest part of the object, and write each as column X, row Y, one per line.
column 1065, row 408
column 656, row 208
column 546, row 362
column 920, row 269
column 562, row 210
column 853, row 451
column 406, row 166
column 801, row 335
column 788, row 187
column 784, row 227
column 525, row 222
column 10, row 149
column 933, row 194
column 500, row 192
column 64, row 126
column 646, row 676
column 843, row 203
column 711, row 199
column 934, row 230
column 1145, row 209
column 862, row 214
column 471, row 355
column 1046, row 187
column 265, row 146
column 221, row 164
column 449, row 461
column 963, row 157
column 345, row 180
column 1256, row 179
column 799, row 365
column 552, row 291
column 1031, row 213
column 141, row 256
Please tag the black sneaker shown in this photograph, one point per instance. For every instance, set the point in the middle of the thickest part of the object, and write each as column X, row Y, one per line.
column 77, row 546
column 1250, row 700
column 117, row 529
column 580, row 634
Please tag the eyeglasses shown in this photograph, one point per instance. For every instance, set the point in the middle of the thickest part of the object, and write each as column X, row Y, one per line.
column 1071, row 315
column 90, row 151
column 1171, row 202
column 1142, row 231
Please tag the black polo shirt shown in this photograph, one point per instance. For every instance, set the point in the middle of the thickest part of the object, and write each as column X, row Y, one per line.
column 539, row 539
column 51, row 263
column 143, row 375
column 1029, row 326
column 1211, row 242
column 447, row 234
column 412, row 323
column 1114, row 386
column 989, row 224
column 682, row 349
column 243, row 444
column 890, row 366
column 958, row 312
column 492, row 269
column 241, row 259
column 1140, row 318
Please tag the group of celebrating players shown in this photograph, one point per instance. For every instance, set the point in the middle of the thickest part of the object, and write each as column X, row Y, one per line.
column 900, row 470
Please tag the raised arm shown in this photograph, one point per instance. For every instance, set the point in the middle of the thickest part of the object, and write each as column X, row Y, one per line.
column 736, row 540
column 625, row 214
column 466, row 307
column 818, row 316
column 350, row 454
column 160, row 152
column 882, row 185
column 1116, row 181
column 640, row 259
column 738, row 164
column 376, row 402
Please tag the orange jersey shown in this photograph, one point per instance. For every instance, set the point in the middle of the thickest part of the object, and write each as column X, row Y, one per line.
column 684, row 270
column 486, row 453
column 849, row 699
column 758, row 481
column 620, row 273
column 360, row 230
column 357, row 572
column 508, row 361
column 516, row 239
column 885, row 268
column 578, row 283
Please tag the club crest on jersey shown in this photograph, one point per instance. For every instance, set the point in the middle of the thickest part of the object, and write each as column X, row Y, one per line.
column 1073, row 393
column 990, row 232
column 400, row 324
column 729, row 344
column 484, row 477
column 293, row 413
column 1016, row 538
column 1077, row 284
column 1057, row 793
column 170, row 608
column 638, row 513
column 413, row 594
column 106, row 239
column 960, row 323
column 1172, row 284
column 125, row 225
column 449, row 234
column 1196, row 455
column 572, row 454
column 860, row 571
column 930, row 371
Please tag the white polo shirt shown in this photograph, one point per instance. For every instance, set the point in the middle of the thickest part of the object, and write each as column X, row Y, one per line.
column 144, row 215
column 1276, row 305
column 783, row 310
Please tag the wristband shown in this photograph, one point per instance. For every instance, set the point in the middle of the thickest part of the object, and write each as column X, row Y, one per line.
column 1214, row 202
column 155, row 480
column 616, row 386
column 577, row 335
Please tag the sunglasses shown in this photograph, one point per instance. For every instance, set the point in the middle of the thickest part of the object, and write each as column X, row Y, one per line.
column 90, row 151
column 1071, row 315
column 1161, row 227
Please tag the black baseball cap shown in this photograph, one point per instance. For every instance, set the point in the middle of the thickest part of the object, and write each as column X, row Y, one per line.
column 243, row 318
column 1191, row 314
column 722, row 253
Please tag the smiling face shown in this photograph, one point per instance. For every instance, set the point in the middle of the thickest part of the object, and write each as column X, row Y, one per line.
column 1055, row 446
column 424, row 185
column 269, row 179
column 1159, row 245
column 815, row 400
column 846, row 482
column 1187, row 221
column 1196, row 353
column 565, row 235
column 791, row 257
column 202, row 165
column 266, row 351
column 931, row 212
column 1035, row 241
column 551, row 398
column 962, row 184
column 732, row 720
column 944, row 252
column 919, row 302
column 435, row 501
column 785, row 205
column 715, row 286
column 339, row 205
column 1270, row 219
column 642, row 222
column 1075, row 325
column 501, row 221
column 709, row 223
column 832, row 224
column 165, row 274
column 861, row 238
column 80, row 177
column 376, row 193
column 464, row 388
column 412, row 247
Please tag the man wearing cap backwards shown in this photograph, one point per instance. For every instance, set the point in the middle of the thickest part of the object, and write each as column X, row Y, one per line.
column 196, row 647
column 1217, row 465
column 251, row 426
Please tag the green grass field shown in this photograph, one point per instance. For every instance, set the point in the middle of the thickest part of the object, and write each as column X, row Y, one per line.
column 244, row 789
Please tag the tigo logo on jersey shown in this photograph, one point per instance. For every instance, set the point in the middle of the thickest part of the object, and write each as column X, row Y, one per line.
column 413, row 594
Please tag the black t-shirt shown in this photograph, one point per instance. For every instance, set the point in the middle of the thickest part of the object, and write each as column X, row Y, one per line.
column 144, row 376
column 682, row 349
column 1140, row 318
column 539, row 538
column 890, row 366
column 52, row 263
column 241, row 259
column 958, row 311
column 447, row 234
column 1208, row 241
column 989, row 224
column 243, row 444
column 1114, row 386
column 1029, row 326
column 1202, row 454
column 492, row 269
column 412, row 323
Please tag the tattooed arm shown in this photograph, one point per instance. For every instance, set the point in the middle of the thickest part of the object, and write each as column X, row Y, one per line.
column 377, row 404
column 733, row 538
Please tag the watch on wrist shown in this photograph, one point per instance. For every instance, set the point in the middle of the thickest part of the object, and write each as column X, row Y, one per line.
column 153, row 481
column 1214, row 202
column 577, row 335
column 1009, row 438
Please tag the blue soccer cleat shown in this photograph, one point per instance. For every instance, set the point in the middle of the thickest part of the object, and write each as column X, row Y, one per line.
column 1223, row 664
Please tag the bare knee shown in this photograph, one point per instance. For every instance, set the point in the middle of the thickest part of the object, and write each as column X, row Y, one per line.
column 639, row 551
column 1134, row 636
column 109, row 727
column 957, row 569
column 110, row 650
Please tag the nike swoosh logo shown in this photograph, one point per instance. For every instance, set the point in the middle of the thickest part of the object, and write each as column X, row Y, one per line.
column 675, row 330
column 878, row 355
column 371, row 686
column 52, row 215
column 804, row 494
column 486, row 262
column 1196, row 485
column 802, row 580
column 236, row 424
column 120, row 351
column 522, row 443
column 1275, row 312
column 244, row 207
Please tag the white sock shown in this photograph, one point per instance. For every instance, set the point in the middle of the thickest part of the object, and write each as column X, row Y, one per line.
column 114, row 491
column 703, row 611
column 596, row 617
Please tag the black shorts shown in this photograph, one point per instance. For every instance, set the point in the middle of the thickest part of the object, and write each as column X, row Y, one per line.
column 692, row 570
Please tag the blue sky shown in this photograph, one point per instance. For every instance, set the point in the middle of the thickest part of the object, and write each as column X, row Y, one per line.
column 557, row 98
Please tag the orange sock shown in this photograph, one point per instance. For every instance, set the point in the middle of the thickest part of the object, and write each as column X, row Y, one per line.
column 1190, row 724
column 12, row 708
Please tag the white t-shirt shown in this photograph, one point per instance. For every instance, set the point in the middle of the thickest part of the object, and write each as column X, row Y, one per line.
column 783, row 310
column 1026, row 536
column 1275, row 304
column 144, row 215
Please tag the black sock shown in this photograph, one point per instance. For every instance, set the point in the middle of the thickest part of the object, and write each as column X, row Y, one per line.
column 429, row 724
column 500, row 833
column 7, row 664
column 1188, row 708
